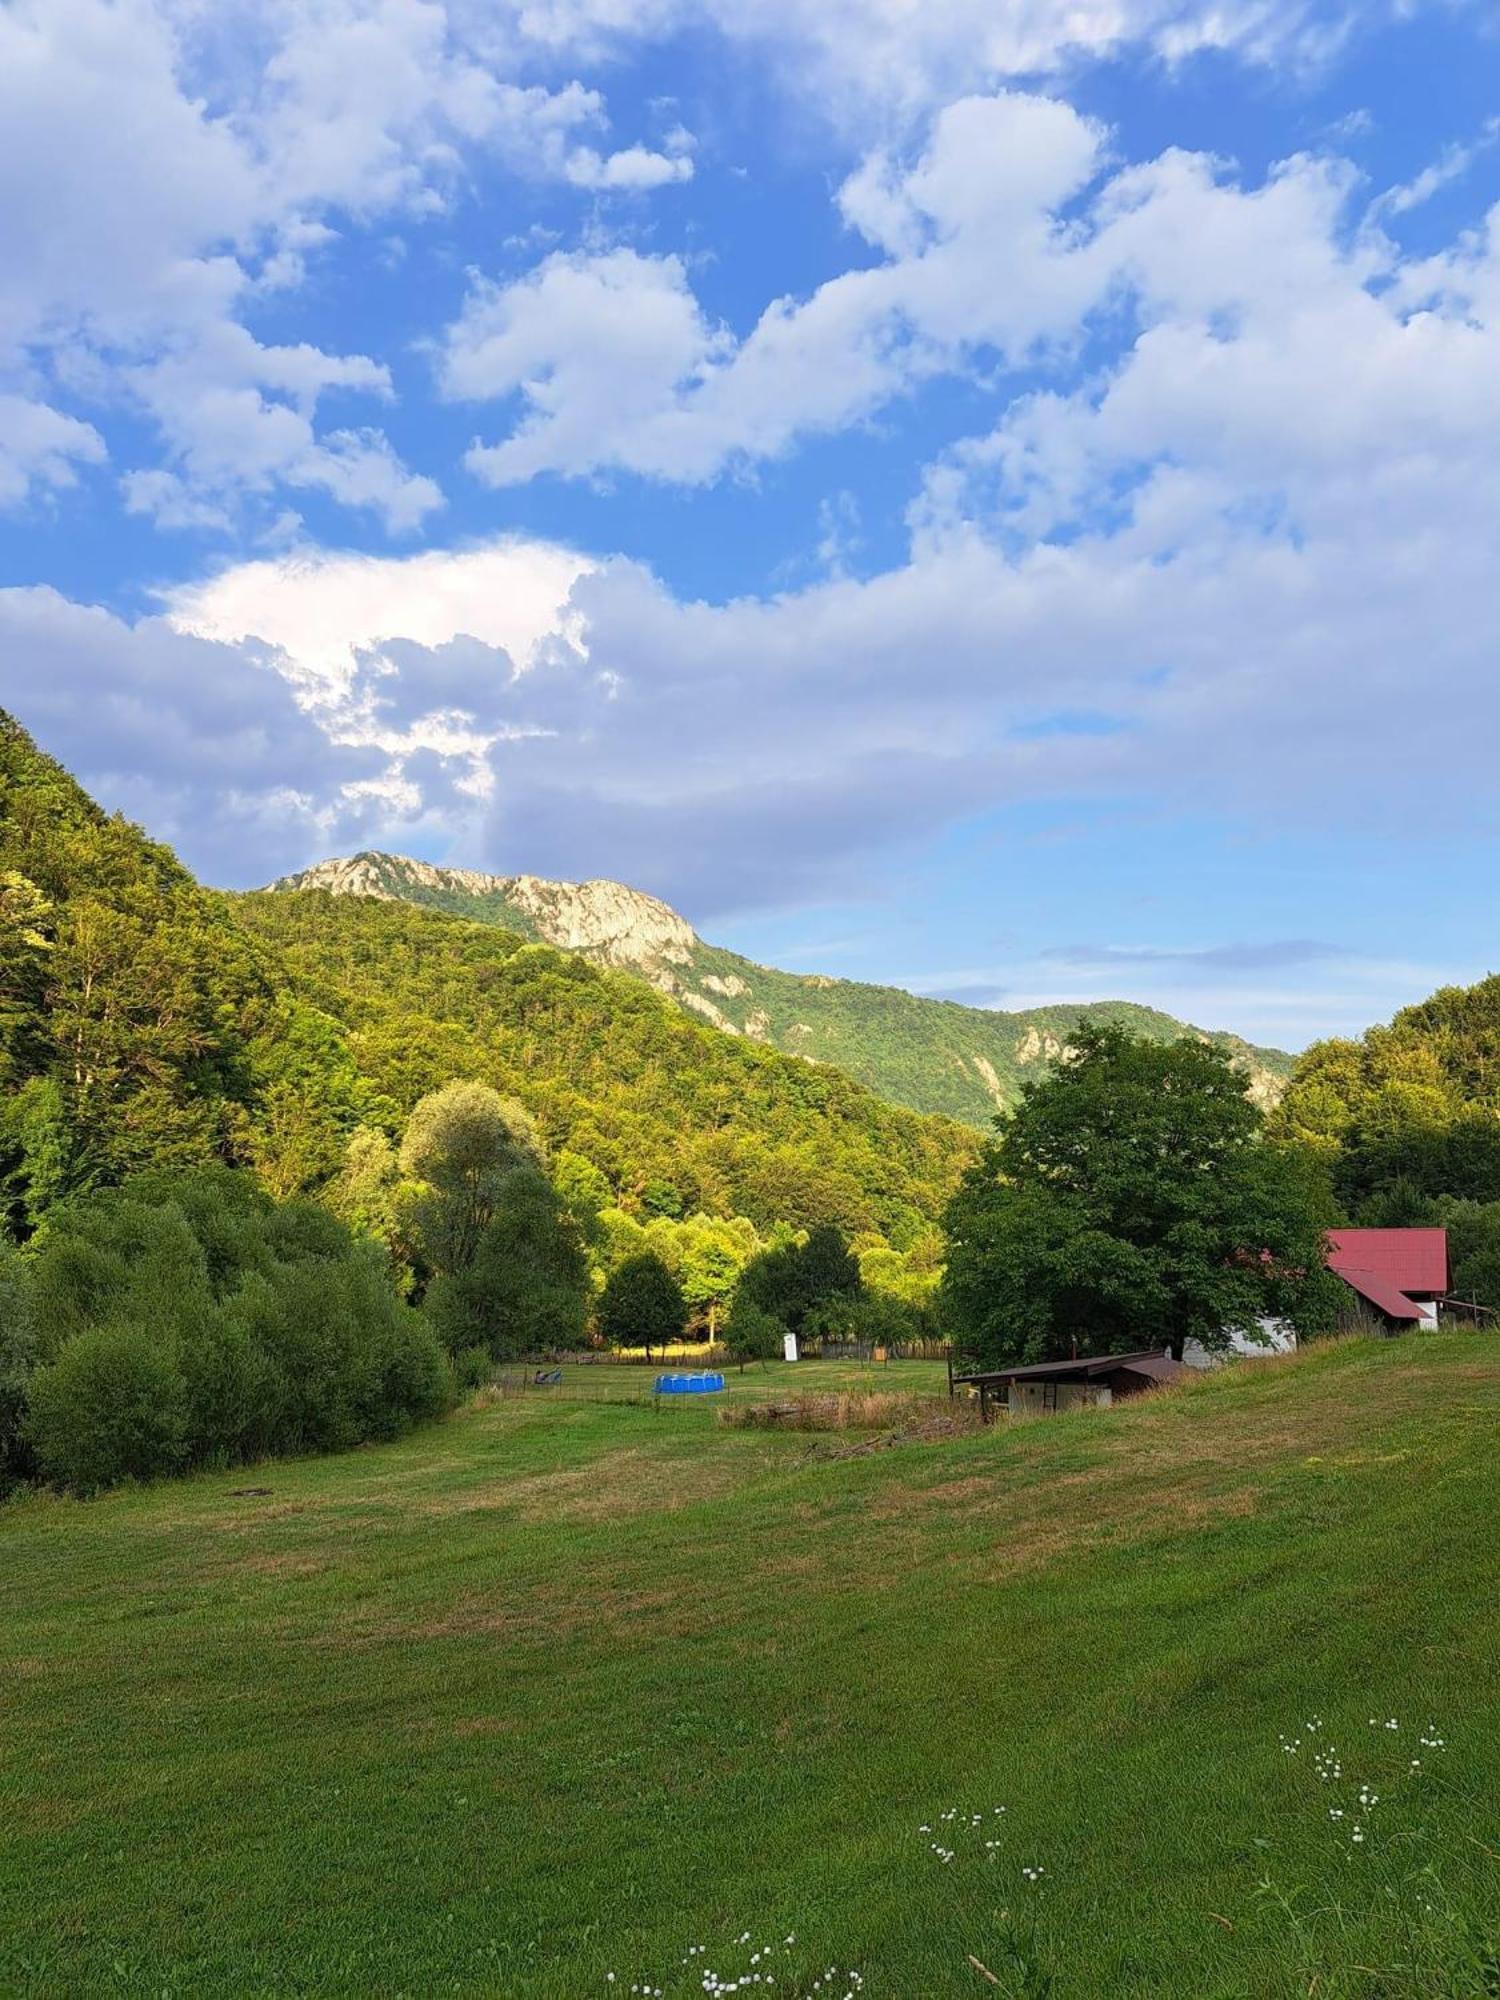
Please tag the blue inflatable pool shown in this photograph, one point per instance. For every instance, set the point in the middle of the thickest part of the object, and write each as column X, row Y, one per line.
column 688, row 1385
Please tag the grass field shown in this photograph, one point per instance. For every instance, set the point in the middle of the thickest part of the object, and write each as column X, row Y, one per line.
column 561, row 1689
column 615, row 1382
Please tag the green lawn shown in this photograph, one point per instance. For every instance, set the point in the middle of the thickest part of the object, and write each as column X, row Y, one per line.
column 561, row 1688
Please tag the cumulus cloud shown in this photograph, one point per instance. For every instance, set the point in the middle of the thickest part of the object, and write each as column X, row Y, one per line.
column 325, row 611
column 616, row 365
column 1232, row 544
column 39, row 446
column 205, row 744
column 163, row 166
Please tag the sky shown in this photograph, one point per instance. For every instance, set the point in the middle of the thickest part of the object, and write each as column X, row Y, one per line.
column 998, row 496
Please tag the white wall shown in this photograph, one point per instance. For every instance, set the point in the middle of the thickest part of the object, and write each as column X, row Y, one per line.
column 1279, row 1338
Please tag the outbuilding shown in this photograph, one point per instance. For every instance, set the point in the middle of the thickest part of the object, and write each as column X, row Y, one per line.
column 1095, row 1381
column 1402, row 1274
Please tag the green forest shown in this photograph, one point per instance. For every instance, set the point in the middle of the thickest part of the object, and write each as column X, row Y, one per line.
column 926, row 1054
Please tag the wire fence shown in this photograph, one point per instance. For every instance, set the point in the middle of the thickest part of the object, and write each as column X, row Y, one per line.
column 632, row 1380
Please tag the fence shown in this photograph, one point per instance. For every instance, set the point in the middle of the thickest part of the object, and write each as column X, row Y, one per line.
column 614, row 1378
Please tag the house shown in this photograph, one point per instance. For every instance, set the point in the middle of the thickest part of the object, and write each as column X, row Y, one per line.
column 1090, row 1380
column 1401, row 1273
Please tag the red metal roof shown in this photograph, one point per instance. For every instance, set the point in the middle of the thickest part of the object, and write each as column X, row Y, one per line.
column 1414, row 1261
column 1382, row 1294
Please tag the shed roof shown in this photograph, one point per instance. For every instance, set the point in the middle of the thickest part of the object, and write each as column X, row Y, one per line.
column 1082, row 1368
column 1410, row 1260
column 1382, row 1294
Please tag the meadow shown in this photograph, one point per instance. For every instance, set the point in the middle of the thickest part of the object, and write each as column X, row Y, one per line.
column 564, row 1698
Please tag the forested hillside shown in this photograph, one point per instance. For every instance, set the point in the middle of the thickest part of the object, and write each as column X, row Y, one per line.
column 928, row 1055
column 678, row 1117
column 1415, row 1104
column 140, row 1026
column 146, row 1022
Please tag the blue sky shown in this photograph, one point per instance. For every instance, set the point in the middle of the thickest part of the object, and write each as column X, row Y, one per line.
column 999, row 496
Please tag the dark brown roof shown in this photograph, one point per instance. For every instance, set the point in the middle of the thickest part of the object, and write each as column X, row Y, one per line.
column 1083, row 1368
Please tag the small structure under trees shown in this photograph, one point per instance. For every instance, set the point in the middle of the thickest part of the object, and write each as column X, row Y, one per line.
column 1083, row 1382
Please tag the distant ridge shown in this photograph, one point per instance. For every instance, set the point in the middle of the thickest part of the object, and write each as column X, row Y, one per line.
column 929, row 1055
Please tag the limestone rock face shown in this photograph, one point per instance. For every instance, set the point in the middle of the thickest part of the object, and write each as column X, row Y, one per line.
column 610, row 923
column 616, row 925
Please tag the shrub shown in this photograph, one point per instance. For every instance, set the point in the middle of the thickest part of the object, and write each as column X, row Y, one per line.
column 472, row 1368
column 18, row 1360
column 275, row 1329
column 879, row 1319
column 751, row 1333
column 112, row 1406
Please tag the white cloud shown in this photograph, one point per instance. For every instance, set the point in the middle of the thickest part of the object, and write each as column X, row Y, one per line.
column 874, row 60
column 204, row 743
column 162, row 165
column 1234, row 547
column 617, row 367
column 39, row 446
column 634, row 169
column 323, row 609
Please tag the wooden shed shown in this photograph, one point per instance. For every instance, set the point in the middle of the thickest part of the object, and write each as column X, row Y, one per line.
column 1096, row 1380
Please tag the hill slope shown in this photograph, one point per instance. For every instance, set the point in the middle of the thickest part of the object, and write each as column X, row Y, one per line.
column 1414, row 1106
column 146, row 1021
column 471, row 1713
column 675, row 1115
column 930, row 1055
column 139, row 1025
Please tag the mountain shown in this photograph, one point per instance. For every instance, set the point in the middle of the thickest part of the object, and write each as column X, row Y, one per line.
column 928, row 1055
column 674, row 1116
column 146, row 1021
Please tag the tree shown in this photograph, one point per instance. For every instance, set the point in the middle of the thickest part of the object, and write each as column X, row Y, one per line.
column 712, row 1254
column 642, row 1305
column 18, row 1360
column 585, row 1193
column 462, row 1143
column 364, row 1191
column 525, row 1290
column 1132, row 1202
column 794, row 1277
column 751, row 1333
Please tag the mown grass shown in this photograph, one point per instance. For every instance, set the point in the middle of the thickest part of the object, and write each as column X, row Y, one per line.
column 609, row 1381
column 556, row 1690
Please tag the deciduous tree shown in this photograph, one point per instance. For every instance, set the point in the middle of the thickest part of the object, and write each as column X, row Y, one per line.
column 1133, row 1202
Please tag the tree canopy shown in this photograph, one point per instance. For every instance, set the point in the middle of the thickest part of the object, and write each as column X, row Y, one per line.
column 1132, row 1202
column 1416, row 1103
column 642, row 1305
column 789, row 1280
column 461, row 1144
